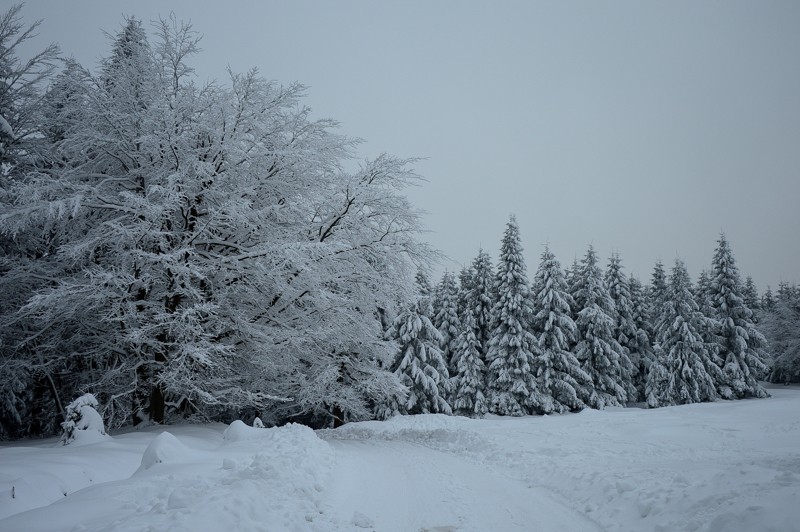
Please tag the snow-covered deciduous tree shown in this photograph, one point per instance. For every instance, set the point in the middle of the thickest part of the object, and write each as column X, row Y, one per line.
column 741, row 346
column 469, row 377
column 558, row 372
column 204, row 250
column 29, row 404
column 597, row 349
column 689, row 372
column 21, row 80
column 511, row 382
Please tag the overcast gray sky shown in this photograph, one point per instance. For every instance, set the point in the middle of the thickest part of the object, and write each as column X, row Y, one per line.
column 640, row 127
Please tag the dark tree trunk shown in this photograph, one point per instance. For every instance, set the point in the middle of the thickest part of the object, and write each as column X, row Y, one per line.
column 157, row 406
column 338, row 416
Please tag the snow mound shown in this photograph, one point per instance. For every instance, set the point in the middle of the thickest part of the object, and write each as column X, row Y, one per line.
column 437, row 431
column 362, row 521
column 164, row 448
column 240, row 431
column 270, row 479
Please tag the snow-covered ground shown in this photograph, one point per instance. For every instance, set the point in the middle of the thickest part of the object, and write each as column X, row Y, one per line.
column 723, row 466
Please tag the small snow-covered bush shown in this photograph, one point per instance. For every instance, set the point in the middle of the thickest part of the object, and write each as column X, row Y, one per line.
column 82, row 417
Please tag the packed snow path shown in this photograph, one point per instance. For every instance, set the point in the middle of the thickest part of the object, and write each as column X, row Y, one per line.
column 401, row 486
column 726, row 466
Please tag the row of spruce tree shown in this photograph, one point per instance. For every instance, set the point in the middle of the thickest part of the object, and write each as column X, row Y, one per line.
column 577, row 338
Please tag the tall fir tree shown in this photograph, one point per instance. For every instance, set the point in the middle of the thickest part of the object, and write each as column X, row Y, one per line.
column 481, row 298
column 786, row 292
column 559, row 373
column 572, row 274
column 465, row 284
column 751, row 298
column 657, row 291
column 469, row 377
column 600, row 354
column 768, row 300
column 511, row 383
column 741, row 345
column 644, row 330
column 688, row 372
column 702, row 292
column 625, row 330
column 446, row 320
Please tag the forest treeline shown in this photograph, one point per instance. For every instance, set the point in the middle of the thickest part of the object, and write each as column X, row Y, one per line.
column 190, row 251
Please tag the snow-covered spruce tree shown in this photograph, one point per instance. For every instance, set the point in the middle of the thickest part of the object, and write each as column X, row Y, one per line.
column 436, row 299
column 741, row 345
column 597, row 349
column 625, row 330
column 481, row 298
column 786, row 291
column 768, row 300
column 572, row 275
column 657, row 292
column 212, row 253
column 702, row 292
column 781, row 326
column 690, row 374
column 644, row 346
column 419, row 364
column 446, row 320
column 511, row 384
column 469, row 376
column 465, row 282
column 558, row 372
column 657, row 378
column 751, row 297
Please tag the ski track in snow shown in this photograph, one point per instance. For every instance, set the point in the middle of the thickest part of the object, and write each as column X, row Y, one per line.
column 720, row 467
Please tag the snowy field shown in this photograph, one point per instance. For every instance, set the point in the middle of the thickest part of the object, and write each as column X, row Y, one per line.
column 727, row 466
